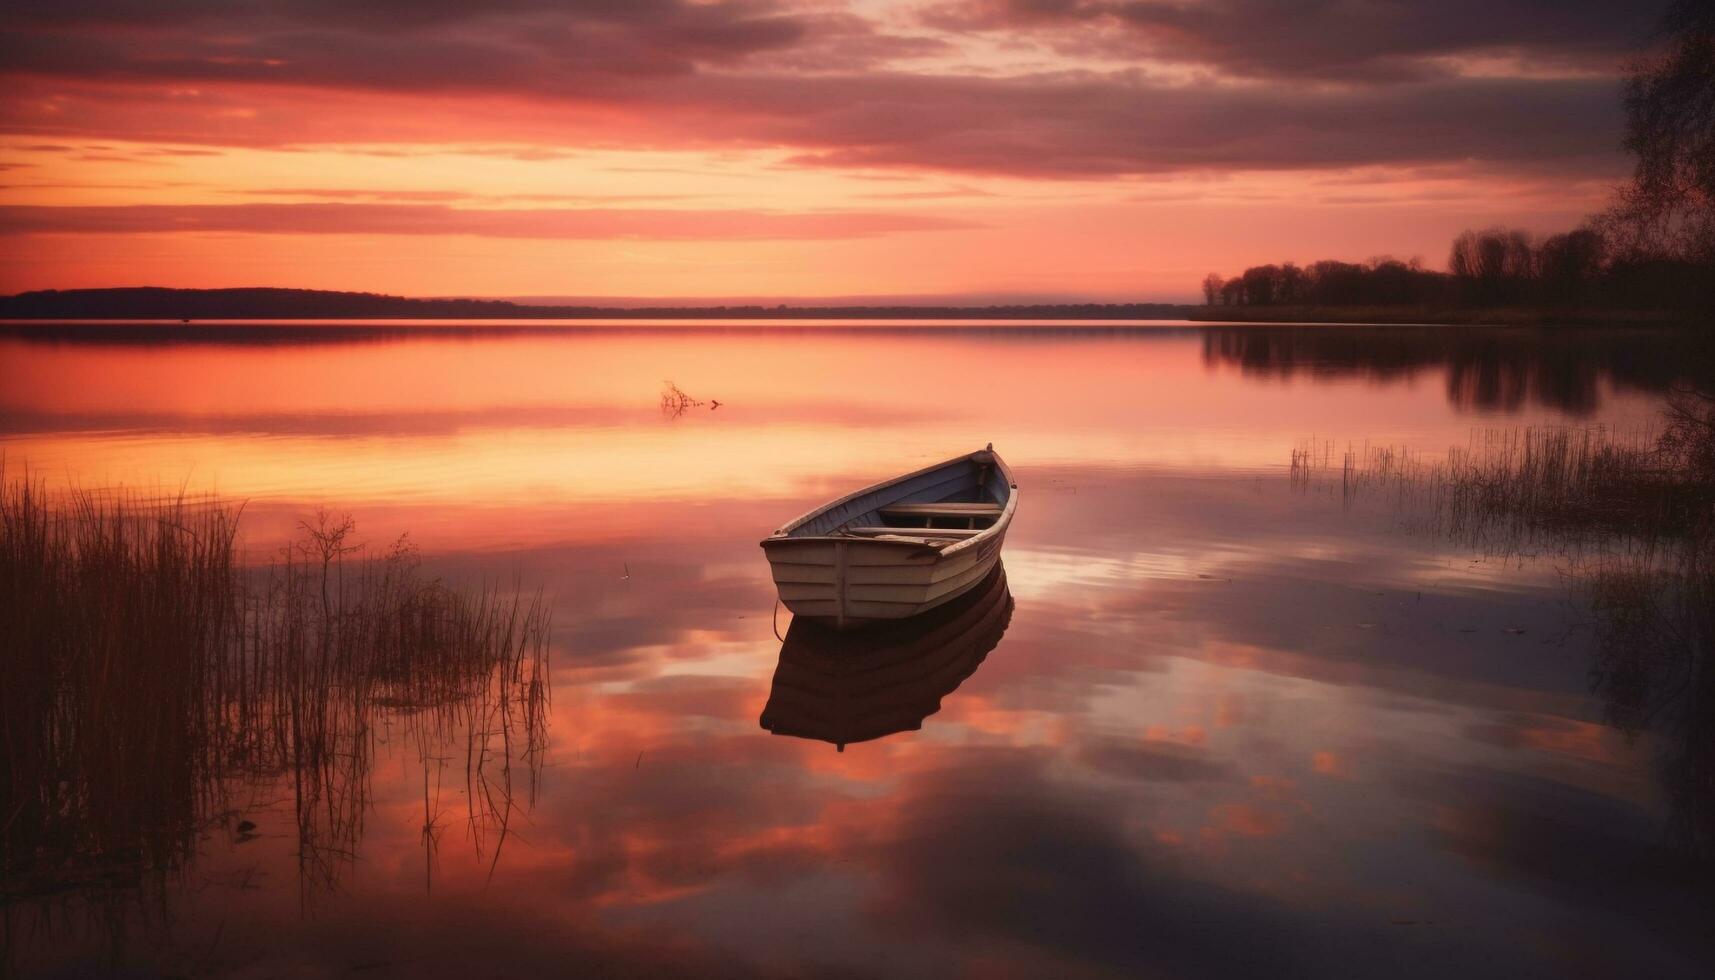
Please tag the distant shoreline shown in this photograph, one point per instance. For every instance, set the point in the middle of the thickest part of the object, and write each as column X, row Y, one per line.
column 153, row 303
column 160, row 306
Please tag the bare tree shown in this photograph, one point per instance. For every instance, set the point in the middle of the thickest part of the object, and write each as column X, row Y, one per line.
column 1292, row 284
column 1496, row 265
column 1570, row 264
column 1668, row 210
column 1261, row 284
column 1212, row 287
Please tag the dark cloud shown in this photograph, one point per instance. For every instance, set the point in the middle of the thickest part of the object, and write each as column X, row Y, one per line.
column 673, row 73
column 500, row 933
column 934, row 195
column 1050, row 879
column 1089, row 125
column 1375, row 40
column 668, row 30
column 1153, row 761
column 431, row 219
column 413, row 46
column 420, row 196
column 358, row 194
column 1586, row 849
column 1096, row 125
column 996, row 853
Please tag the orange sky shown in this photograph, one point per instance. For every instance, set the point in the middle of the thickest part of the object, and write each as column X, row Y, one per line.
column 764, row 149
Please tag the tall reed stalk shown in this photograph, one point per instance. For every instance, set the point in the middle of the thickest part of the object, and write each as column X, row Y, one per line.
column 116, row 616
column 149, row 675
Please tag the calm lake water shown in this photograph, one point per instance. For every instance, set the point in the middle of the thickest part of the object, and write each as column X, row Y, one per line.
column 1227, row 727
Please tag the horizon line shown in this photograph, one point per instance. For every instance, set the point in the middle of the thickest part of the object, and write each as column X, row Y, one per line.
column 874, row 301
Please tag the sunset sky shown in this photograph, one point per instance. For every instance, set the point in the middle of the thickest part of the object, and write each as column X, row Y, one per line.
column 767, row 149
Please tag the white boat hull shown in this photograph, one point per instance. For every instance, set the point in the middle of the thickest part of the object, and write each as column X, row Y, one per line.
column 824, row 571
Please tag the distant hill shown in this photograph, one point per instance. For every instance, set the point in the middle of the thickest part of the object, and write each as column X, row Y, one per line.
column 156, row 303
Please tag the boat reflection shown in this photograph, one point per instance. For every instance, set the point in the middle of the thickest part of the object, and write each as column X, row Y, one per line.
column 845, row 687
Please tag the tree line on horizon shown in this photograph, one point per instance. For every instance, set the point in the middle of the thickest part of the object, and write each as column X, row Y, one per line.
column 1653, row 248
column 1491, row 267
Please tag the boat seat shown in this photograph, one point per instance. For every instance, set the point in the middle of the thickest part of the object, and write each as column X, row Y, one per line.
column 913, row 532
column 941, row 510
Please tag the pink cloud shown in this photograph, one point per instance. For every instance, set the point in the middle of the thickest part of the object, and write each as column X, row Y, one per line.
column 431, row 219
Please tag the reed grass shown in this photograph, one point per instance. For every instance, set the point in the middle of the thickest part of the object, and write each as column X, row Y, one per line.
column 115, row 616
column 1557, row 484
column 1632, row 518
column 150, row 675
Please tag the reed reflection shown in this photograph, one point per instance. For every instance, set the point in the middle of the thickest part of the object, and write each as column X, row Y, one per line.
column 1632, row 520
column 855, row 686
column 160, row 692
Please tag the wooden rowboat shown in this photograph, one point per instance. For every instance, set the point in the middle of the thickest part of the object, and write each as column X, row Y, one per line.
column 898, row 548
column 857, row 685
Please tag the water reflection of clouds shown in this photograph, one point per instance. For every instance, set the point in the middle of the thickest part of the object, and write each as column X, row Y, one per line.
column 1123, row 756
column 401, row 422
column 1175, row 720
column 1229, row 731
column 1317, row 618
column 519, row 419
